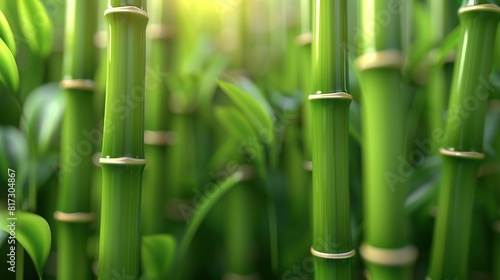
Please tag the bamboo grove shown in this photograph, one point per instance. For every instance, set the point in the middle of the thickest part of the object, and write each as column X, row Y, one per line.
column 250, row 139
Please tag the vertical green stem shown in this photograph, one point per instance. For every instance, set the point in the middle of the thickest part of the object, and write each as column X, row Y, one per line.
column 122, row 158
column 332, row 243
column 386, row 248
column 462, row 148
column 73, row 210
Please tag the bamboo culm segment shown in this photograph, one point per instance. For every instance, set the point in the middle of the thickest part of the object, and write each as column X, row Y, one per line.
column 122, row 159
column 74, row 190
column 464, row 137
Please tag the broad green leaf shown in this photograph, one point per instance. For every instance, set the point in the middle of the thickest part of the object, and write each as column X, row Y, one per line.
column 246, row 137
column 32, row 232
column 9, row 75
column 252, row 110
column 158, row 256
column 36, row 26
column 449, row 44
column 43, row 111
column 6, row 34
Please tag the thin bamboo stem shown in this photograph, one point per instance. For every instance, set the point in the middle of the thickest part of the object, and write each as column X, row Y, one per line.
column 122, row 160
column 74, row 190
column 462, row 149
column 332, row 243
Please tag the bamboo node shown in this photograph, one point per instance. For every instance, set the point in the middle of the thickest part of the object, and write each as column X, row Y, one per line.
column 460, row 154
column 380, row 59
column 127, row 9
column 480, row 8
column 122, row 160
column 496, row 226
column 335, row 95
column 308, row 165
column 100, row 39
column 322, row 255
column 80, row 84
column 304, row 39
column 77, row 217
column 391, row 257
column 159, row 138
column 159, row 31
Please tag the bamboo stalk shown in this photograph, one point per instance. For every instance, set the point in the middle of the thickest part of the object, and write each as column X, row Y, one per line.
column 122, row 158
column 386, row 249
column 462, row 149
column 73, row 211
column 332, row 244
column 156, row 136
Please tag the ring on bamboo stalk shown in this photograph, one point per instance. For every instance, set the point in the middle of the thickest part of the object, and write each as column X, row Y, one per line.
column 126, row 9
column 81, row 84
column 122, row 160
column 496, row 226
column 308, row 165
column 336, row 95
column 333, row 255
column 159, row 31
column 459, row 154
column 77, row 217
column 482, row 8
column 303, row 39
column 100, row 39
column 235, row 276
column 381, row 59
column 159, row 138
column 390, row 257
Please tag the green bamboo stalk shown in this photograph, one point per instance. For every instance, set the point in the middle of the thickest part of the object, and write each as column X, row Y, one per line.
column 332, row 243
column 386, row 249
column 156, row 136
column 462, row 149
column 122, row 158
column 73, row 210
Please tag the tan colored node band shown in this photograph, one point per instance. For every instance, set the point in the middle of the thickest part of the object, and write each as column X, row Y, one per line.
column 308, row 165
column 157, row 138
column 391, row 257
column 81, row 84
column 122, row 160
column 159, row 31
column 335, row 95
column 77, row 217
column 126, row 9
column 460, row 154
column 303, row 39
column 332, row 255
column 481, row 8
column 381, row 59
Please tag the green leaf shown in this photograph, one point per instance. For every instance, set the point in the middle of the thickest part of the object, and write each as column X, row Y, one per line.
column 36, row 26
column 32, row 232
column 14, row 154
column 202, row 210
column 253, row 111
column 43, row 111
column 9, row 75
column 6, row 34
column 158, row 256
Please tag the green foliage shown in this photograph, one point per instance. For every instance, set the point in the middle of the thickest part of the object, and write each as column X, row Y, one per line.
column 33, row 233
column 158, row 256
column 9, row 76
column 36, row 26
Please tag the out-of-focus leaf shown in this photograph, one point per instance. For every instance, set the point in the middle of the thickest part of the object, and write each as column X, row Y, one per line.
column 244, row 134
column 6, row 34
column 32, row 232
column 43, row 111
column 36, row 26
column 9, row 75
column 158, row 255
column 253, row 111
column 14, row 154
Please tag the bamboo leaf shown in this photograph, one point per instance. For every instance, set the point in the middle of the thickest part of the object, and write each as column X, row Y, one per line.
column 9, row 75
column 158, row 253
column 202, row 211
column 6, row 34
column 254, row 112
column 36, row 26
column 32, row 232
